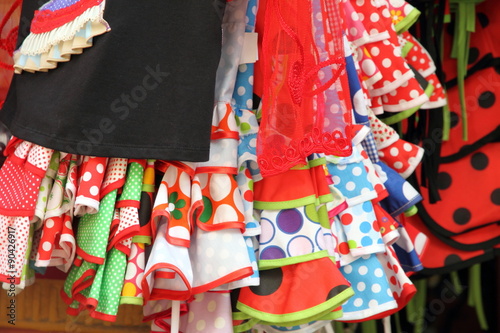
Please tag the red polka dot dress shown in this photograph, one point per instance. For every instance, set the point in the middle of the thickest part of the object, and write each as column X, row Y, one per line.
column 20, row 178
column 400, row 155
column 89, row 185
column 393, row 87
column 57, row 242
column 420, row 59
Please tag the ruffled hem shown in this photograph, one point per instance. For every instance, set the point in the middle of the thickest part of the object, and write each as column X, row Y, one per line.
column 434, row 105
column 42, row 52
column 368, row 313
column 397, row 117
column 331, row 292
column 402, row 105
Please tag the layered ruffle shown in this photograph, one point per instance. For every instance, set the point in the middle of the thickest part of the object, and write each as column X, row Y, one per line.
column 58, row 32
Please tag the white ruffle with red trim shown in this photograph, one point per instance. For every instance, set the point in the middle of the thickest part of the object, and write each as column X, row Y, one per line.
column 41, row 52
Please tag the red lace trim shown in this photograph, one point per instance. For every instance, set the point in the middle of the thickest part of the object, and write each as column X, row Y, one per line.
column 296, row 153
column 294, row 121
column 47, row 20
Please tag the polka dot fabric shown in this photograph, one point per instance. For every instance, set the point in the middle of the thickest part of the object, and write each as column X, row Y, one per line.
column 213, row 205
column 174, row 271
column 370, row 72
column 290, row 236
column 146, row 204
column 403, row 14
column 208, row 312
column 20, row 179
column 89, row 185
column 401, row 286
column 218, row 257
column 93, row 231
column 21, row 176
column 251, row 280
column 370, row 17
column 384, row 135
column 387, row 225
column 376, row 105
column 402, row 196
column 392, row 66
column 472, row 219
column 356, row 31
column 173, row 201
column 45, row 188
column 438, row 96
column 217, row 202
column 115, row 175
column 402, row 156
column 372, row 293
column 159, row 311
column 58, row 205
column 352, row 181
column 18, row 228
column 418, row 57
column 268, row 301
column 248, row 171
column 408, row 96
column 104, row 299
column 80, row 277
column 461, row 217
column 384, row 59
column 437, row 256
column 406, row 251
column 375, row 179
column 359, row 224
column 128, row 205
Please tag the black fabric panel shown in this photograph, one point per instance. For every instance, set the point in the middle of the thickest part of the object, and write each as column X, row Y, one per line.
column 143, row 90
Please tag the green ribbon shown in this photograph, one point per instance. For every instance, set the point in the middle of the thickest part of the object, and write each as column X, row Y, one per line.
column 465, row 21
column 475, row 298
column 420, row 301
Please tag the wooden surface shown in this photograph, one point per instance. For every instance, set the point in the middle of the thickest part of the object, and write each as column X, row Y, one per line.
column 40, row 308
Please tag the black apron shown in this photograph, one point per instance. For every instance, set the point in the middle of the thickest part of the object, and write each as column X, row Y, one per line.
column 145, row 89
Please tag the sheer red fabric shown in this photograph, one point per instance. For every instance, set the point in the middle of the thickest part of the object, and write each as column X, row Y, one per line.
column 10, row 12
column 304, row 84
